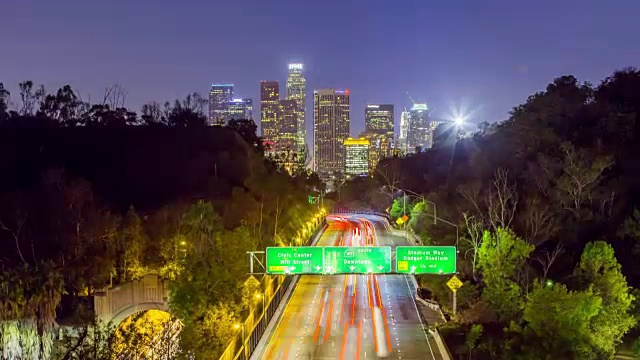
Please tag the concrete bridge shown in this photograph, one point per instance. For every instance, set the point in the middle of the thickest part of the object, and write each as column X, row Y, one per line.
column 115, row 304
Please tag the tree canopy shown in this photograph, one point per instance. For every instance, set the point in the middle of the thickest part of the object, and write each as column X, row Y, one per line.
column 94, row 195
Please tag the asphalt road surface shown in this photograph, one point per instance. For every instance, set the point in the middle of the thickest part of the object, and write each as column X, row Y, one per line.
column 352, row 316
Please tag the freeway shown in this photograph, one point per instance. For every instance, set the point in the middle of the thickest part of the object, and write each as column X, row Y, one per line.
column 352, row 316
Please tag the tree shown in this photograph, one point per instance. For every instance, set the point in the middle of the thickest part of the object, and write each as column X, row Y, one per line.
column 471, row 342
column 398, row 208
column 577, row 177
column 4, row 102
column 248, row 130
column 600, row 271
column 547, row 258
column 474, row 237
column 557, row 323
column 631, row 229
column 501, row 200
column 64, row 107
column 30, row 100
column 500, row 256
column 131, row 247
column 207, row 335
column 151, row 115
column 187, row 113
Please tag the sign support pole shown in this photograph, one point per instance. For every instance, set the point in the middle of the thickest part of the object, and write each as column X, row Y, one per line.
column 252, row 256
column 454, row 302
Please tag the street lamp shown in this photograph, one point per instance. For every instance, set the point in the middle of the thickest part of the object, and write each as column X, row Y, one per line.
column 435, row 211
column 238, row 326
column 259, row 296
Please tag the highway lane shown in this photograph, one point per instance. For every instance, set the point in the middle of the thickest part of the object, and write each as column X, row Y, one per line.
column 352, row 316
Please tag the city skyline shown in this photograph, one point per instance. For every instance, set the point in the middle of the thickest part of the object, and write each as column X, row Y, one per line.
column 484, row 64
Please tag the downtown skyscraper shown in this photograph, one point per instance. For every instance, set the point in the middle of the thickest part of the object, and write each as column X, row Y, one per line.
column 331, row 128
column 401, row 144
column 269, row 103
column 379, row 130
column 224, row 107
column 418, row 128
column 296, row 90
column 219, row 96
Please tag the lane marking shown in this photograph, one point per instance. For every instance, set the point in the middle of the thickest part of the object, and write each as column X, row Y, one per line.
column 327, row 331
column 424, row 331
column 344, row 342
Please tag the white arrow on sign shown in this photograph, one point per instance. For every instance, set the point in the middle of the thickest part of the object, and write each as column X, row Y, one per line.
column 318, row 268
column 380, row 267
column 328, row 270
column 352, row 267
column 413, row 269
column 292, row 268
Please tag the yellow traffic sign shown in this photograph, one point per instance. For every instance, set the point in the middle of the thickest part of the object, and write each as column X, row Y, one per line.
column 399, row 221
column 454, row 283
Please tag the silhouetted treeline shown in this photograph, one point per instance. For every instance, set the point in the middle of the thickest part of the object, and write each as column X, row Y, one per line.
column 93, row 195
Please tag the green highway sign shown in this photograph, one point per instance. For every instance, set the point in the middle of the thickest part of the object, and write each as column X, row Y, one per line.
column 295, row 260
column 357, row 259
column 426, row 259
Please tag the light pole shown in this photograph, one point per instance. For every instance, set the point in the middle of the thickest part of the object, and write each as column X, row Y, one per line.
column 435, row 212
column 239, row 326
column 259, row 296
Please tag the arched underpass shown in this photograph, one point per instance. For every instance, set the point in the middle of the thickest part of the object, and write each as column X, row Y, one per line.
column 151, row 334
column 139, row 311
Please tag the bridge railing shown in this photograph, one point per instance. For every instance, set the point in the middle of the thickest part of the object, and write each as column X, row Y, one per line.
column 250, row 332
column 348, row 211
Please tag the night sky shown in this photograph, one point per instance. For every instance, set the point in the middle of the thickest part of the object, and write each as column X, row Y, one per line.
column 485, row 56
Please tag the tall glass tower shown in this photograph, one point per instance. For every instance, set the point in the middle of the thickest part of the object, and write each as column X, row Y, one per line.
column 219, row 97
column 269, row 99
column 331, row 129
column 418, row 128
column 296, row 89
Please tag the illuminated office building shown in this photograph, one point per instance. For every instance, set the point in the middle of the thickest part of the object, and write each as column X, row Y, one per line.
column 269, row 103
column 356, row 157
column 239, row 109
column 219, row 97
column 401, row 144
column 296, row 90
column 331, row 129
column 287, row 126
column 378, row 119
column 418, row 128
column 380, row 147
column 432, row 125
column 286, row 140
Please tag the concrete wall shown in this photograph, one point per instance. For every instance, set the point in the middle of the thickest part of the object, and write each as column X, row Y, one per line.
column 117, row 303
